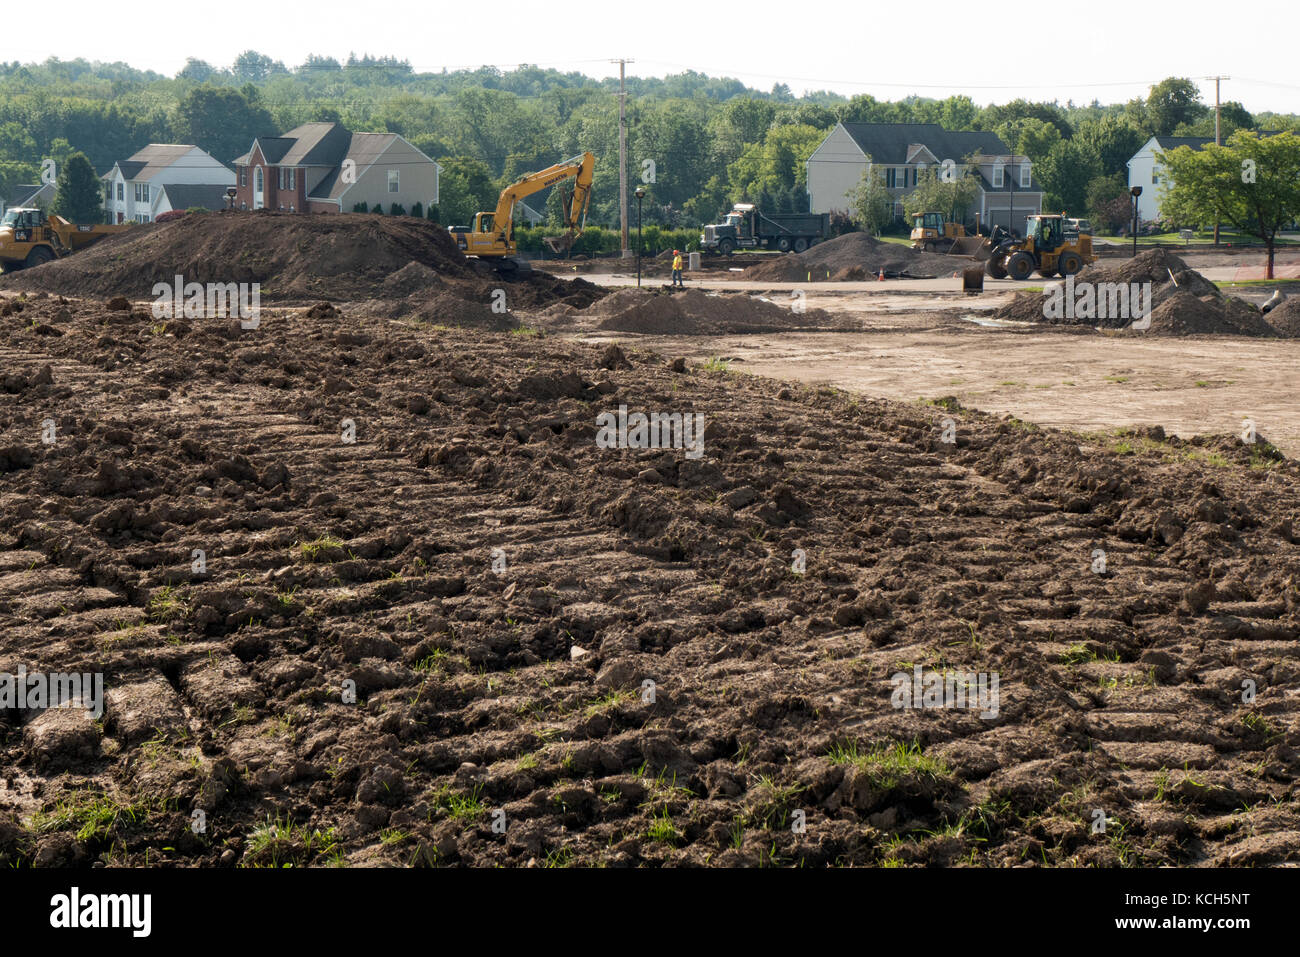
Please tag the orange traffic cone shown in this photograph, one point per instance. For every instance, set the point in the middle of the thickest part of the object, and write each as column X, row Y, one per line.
column 881, row 277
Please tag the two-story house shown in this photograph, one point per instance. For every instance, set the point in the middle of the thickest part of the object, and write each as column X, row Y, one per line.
column 162, row 177
column 1005, row 189
column 324, row 167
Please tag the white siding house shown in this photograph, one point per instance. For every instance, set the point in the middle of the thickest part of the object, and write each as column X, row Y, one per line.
column 135, row 189
column 1145, row 171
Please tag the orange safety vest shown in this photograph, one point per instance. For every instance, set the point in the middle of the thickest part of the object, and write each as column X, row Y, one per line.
column 677, row 262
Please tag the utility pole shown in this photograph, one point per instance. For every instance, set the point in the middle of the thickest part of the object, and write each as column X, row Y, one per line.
column 1218, row 139
column 622, row 154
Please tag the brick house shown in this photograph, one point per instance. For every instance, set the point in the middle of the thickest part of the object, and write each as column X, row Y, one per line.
column 326, row 168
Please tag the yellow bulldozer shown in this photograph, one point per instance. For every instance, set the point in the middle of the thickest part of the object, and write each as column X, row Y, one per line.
column 493, row 234
column 932, row 233
column 1047, row 247
column 30, row 238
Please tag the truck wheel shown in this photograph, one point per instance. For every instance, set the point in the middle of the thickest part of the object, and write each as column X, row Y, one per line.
column 39, row 256
column 994, row 268
column 800, row 244
column 783, row 244
column 726, row 247
column 1069, row 263
column 1020, row 266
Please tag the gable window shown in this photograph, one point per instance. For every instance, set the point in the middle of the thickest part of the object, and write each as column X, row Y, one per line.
column 243, row 176
column 1024, row 175
column 288, row 179
column 121, row 192
column 1155, row 178
column 997, row 175
column 394, row 180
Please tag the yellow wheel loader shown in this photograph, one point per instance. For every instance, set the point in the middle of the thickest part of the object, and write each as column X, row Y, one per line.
column 1047, row 247
column 493, row 234
column 29, row 238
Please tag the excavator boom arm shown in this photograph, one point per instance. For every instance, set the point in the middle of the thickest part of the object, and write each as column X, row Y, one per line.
column 580, row 167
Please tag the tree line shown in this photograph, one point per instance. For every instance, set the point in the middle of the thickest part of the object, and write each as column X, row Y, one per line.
column 701, row 142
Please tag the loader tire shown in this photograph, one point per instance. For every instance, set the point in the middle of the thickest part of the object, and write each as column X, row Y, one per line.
column 1069, row 263
column 38, row 257
column 1020, row 266
column 994, row 268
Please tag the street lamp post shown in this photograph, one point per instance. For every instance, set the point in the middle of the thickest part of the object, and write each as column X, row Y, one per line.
column 640, row 195
column 1135, row 192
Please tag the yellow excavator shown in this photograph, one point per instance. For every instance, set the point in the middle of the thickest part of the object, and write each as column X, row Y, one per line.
column 493, row 234
column 30, row 238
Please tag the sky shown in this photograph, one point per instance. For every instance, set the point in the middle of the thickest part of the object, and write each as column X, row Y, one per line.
column 1112, row 51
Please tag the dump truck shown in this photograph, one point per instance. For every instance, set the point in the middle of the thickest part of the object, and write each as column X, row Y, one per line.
column 746, row 227
column 30, row 238
column 492, row 237
column 1047, row 247
column 933, row 233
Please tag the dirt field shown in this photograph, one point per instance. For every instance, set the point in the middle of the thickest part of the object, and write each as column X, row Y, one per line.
column 436, row 622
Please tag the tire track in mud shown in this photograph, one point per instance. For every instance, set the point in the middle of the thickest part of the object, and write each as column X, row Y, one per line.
column 522, row 690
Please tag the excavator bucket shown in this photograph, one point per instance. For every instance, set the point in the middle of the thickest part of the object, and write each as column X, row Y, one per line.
column 561, row 244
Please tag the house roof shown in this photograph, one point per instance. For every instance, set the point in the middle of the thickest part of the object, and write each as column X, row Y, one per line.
column 312, row 144
column 364, row 149
column 890, row 142
column 1167, row 143
column 153, row 159
column 189, row 195
column 25, row 193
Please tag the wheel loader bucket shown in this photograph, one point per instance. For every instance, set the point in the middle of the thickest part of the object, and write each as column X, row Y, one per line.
column 970, row 246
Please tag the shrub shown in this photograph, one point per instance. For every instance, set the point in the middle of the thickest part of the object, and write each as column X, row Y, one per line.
column 417, row 210
column 360, row 208
column 397, row 209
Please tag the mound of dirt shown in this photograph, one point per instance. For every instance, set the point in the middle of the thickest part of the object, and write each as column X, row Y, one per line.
column 390, row 266
column 1183, row 302
column 696, row 313
column 292, row 256
column 854, row 256
column 1284, row 319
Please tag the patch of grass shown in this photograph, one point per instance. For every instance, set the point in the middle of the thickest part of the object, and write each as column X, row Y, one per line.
column 460, row 807
column 608, row 703
column 889, row 764
column 662, row 829
column 281, row 843
column 93, row 815
column 526, row 332
column 715, row 364
column 166, row 604
column 312, row 551
column 771, row 803
column 1116, row 378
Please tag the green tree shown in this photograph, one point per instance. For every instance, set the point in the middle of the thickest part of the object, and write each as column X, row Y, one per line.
column 222, row 121
column 934, row 194
column 1172, row 102
column 872, row 203
column 464, row 189
column 77, row 193
column 1108, row 201
column 1064, row 175
column 1251, row 182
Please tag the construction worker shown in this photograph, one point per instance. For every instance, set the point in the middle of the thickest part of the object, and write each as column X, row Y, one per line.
column 677, row 268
